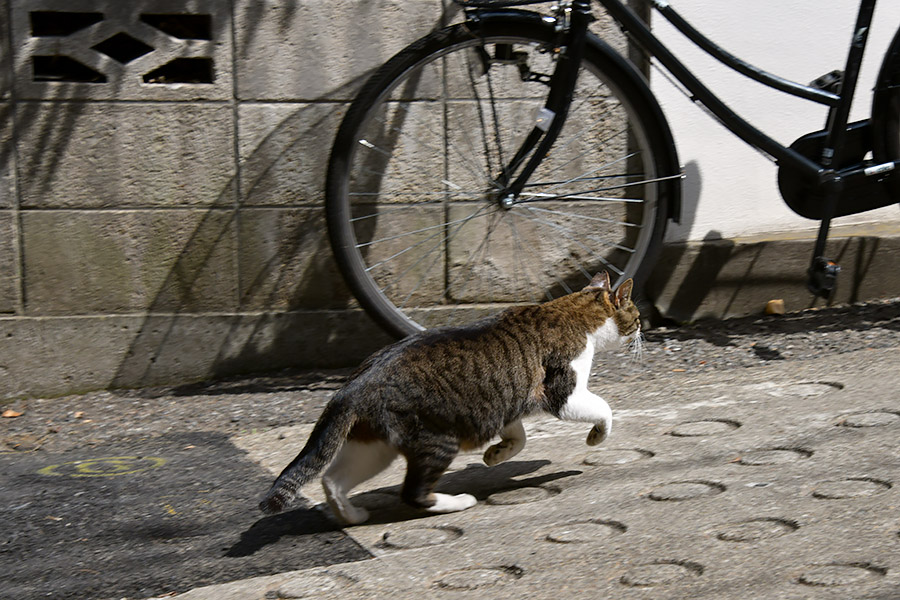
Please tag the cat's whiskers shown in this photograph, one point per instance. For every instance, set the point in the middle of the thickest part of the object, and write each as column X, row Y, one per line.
column 637, row 347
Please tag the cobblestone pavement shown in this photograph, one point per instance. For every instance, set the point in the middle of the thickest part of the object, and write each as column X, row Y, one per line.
column 754, row 458
column 778, row 481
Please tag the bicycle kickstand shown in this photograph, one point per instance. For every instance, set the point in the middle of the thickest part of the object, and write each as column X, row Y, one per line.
column 822, row 279
column 822, row 273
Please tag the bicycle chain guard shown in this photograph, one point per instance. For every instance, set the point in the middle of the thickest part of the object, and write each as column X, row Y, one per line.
column 858, row 195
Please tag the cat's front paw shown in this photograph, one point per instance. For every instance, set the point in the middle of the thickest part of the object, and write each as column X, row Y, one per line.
column 599, row 433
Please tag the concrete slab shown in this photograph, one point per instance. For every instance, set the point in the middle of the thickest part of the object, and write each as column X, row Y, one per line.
column 284, row 151
column 9, row 284
column 323, row 48
column 7, row 154
column 128, row 261
column 53, row 356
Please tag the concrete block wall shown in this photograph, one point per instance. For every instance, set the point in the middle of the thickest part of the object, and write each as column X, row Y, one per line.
column 160, row 198
column 161, row 174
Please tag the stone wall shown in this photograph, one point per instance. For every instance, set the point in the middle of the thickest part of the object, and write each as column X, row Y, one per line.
column 161, row 175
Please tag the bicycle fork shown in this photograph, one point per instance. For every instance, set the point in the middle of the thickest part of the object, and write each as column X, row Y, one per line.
column 573, row 20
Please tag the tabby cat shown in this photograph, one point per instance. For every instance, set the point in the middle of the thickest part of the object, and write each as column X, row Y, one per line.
column 443, row 390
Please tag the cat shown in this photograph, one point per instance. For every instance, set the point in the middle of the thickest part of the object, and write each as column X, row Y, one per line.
column 444, row 390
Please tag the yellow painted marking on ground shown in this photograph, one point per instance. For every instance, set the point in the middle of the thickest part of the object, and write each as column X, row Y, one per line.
column 104, row 467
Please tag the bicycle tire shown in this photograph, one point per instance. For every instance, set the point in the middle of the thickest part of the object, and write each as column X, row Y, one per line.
column 886, row 112
column 413, row 226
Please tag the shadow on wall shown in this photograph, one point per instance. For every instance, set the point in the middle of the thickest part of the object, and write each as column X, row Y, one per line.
column 290, row 300
column 721, row 278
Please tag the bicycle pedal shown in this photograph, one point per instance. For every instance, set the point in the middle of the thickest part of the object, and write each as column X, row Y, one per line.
column 822, row 277
column 829, row 82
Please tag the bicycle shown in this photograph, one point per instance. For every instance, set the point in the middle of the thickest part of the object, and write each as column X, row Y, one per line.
column 507, row 158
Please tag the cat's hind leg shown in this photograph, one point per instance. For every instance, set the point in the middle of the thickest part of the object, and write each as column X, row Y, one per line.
column 426, row 462
column 512, row 440
column 355, row 463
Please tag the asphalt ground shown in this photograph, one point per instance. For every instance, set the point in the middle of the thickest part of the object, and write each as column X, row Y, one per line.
column 146, row 517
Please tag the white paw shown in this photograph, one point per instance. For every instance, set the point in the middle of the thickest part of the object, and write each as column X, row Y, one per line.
column 351, row 515
column 445, row 503
column 346, row 512
column 599, row 433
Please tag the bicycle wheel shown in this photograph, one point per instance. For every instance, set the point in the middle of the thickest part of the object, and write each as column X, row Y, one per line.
column 886, row 111
column 411, row 199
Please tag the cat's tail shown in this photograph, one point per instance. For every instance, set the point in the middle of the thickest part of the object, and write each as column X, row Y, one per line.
column 326, row 439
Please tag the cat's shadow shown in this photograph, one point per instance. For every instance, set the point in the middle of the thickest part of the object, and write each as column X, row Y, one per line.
column 384, row 504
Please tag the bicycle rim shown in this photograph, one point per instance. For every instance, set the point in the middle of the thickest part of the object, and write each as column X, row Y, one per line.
column 423, row 238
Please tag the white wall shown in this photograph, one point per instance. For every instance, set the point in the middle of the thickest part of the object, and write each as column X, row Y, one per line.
column 736, row 185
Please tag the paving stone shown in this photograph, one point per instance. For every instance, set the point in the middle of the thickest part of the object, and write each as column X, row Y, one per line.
column 793, row 503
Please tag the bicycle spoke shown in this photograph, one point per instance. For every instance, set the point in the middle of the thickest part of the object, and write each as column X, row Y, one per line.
column 588, row 175
column 480, row 112
column 585, row 217
column 413, row 232
column 464, row 157
column 441, row 242
column 577, row 242
column 393, row 209
column 430, row 149
column 443, row 239
column 593, row 238
column 609, row 188
column 541, row 197
column 520, row 251
column 527, row 249
column 466, row 266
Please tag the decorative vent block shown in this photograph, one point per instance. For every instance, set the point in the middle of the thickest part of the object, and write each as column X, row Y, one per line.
column 106, row 49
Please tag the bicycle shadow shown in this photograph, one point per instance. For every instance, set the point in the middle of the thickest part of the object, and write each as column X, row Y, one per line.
column 723, row 279
column 261, row 258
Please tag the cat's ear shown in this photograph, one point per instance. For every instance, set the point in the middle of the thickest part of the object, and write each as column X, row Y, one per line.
column 623, row 292
column 600, row 281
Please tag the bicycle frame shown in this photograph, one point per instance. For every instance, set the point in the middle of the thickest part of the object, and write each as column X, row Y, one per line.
column 828, row 174
column 824, row 174
column 838, row 103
